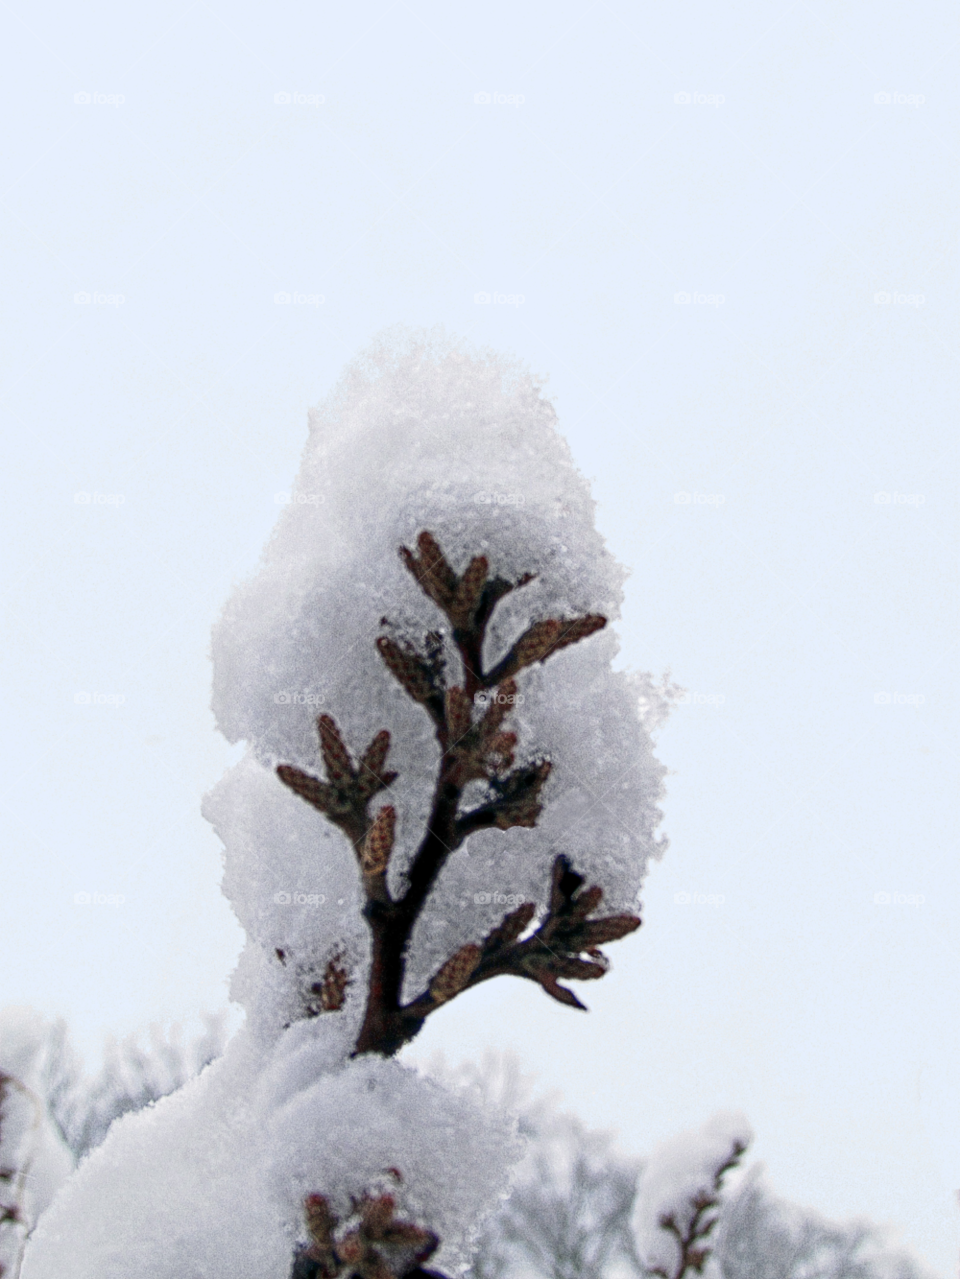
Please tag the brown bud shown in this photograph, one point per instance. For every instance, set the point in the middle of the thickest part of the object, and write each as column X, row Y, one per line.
column 597, row 931
column 511, row 926
column 320, row 1218
column 524, row 809
column 320, row 794
column 499, row 707
column 333, row 988
column 455, row 973
column 375, row 756
column 579, row 969
column 351, row 1248
column 562, row 994
column 545, row 638
column 468, row 592
column 407, row 668
column 501, row 749
column 458, row 714
column 376, row 1215
column 378, row 844
column 434, row 575
column 586, row 902
column 372, row 778
column 336, row 757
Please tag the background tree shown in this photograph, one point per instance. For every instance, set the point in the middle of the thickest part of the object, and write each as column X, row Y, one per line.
column 552, row 1217
column 568, row 1213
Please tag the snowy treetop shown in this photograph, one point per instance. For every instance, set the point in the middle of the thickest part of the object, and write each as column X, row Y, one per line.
column 421, row 434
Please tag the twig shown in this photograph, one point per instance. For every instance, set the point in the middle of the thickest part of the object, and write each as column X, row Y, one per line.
column 470, row 750
column 694, row 1250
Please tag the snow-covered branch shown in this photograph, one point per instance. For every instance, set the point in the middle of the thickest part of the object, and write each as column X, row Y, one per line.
column 473, row 748
column 678, row 1198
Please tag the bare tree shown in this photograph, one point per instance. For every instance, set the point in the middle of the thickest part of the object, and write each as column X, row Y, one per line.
column 568, row 1215
column 762, row 1237
column 573, row 1222
column 131, row 1077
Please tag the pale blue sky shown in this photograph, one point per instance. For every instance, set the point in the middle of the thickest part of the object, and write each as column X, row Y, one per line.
column 784, row 188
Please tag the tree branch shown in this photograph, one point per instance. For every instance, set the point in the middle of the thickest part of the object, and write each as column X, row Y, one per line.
column 469, row 751
column 692, row 1240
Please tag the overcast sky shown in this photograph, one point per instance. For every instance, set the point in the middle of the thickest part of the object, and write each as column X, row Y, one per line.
column 727, row 236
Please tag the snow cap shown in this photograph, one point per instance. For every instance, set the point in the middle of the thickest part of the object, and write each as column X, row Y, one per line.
column 422, row 433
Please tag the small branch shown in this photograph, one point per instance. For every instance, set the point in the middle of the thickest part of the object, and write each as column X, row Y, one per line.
column 469, row 751
column 692, row 1240
column 542, row 640
column 345, row 796
column 517, row 803
column 553, row 951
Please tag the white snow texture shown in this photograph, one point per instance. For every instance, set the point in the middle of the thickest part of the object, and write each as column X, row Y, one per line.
column 419, row 434
column 677, row 1172
column 210, row 1181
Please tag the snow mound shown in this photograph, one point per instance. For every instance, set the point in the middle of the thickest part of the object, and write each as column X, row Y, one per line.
column 211, row 1180
column 422, row 433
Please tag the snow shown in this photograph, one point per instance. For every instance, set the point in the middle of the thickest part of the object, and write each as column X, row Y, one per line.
column 292, row 880
column 421, row 433
column 677, row 1172
column 211, row 1180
